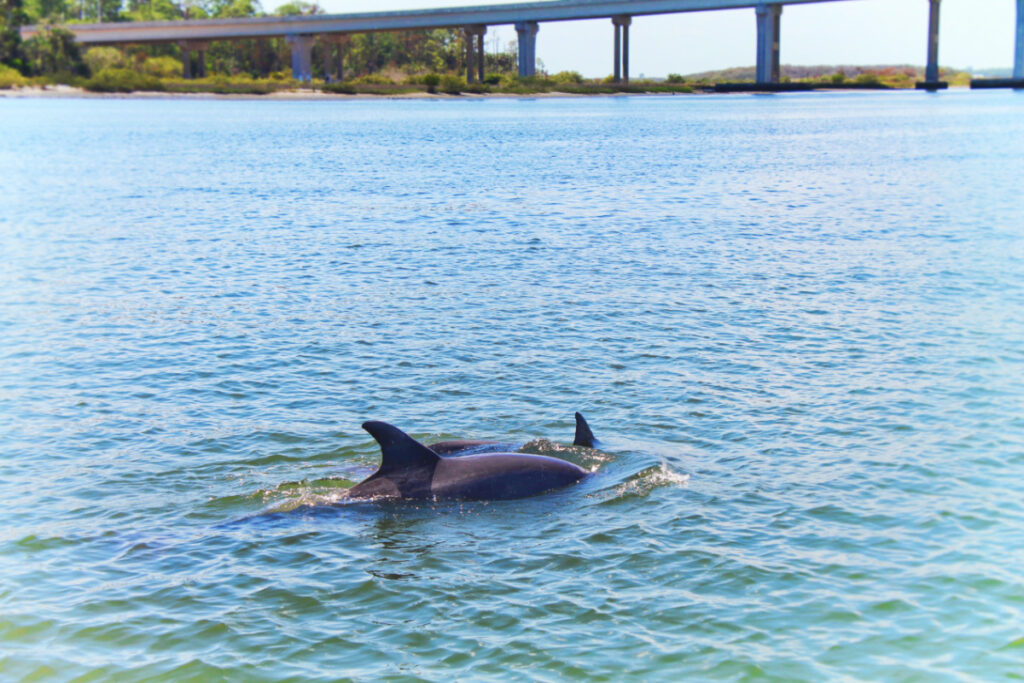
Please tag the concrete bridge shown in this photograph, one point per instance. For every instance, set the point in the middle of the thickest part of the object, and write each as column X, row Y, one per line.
column 300, row 31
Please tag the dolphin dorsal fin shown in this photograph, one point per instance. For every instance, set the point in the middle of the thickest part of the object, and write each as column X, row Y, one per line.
column 398, row 450
column 584, row 437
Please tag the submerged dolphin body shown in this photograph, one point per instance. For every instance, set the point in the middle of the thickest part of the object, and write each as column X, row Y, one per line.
column 584, row 437
column 408, row 469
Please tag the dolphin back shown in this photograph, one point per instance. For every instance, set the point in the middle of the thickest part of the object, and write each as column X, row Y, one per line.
column 398, row 450
column 408, row 469
column 584, row 437
column 501, row 476
column 463, row 446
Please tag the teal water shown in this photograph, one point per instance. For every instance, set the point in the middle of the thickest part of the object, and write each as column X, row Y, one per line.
column 796, row 322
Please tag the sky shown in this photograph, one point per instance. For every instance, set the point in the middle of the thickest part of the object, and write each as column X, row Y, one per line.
column 973, row 34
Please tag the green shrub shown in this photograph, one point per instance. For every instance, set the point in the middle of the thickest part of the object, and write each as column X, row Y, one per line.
column 675, row 78
column 59, row 78
column 10, row 78
column 99, row 58
column 537, row 83
column 373, row 79
column 515, row 87
column 236, row 85
column 492, row 79
column 868, row 79
column 162, row 67
column 222, row 85
column 122, row 80
column 394, row 89
column 345, row 88
column 589, row 89
column 432, row 81
column 453, row 85
column 508, row 80
column 960, row 78
column 567, row 77
column 838, row 78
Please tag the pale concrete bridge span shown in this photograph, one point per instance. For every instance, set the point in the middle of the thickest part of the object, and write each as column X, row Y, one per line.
column 194, row 35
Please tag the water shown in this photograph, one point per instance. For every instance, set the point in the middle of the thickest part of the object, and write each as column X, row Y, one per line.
column 794, row 321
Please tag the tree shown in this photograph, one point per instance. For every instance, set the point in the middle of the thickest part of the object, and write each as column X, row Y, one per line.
column 297, row 7
column 109, row 10
column 55, row 11
column 235, row 8
column 192, row 9
column 54, row 51
column 152, row 10
column 12, row 16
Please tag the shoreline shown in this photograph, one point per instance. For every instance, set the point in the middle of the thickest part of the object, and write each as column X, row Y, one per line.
column 72, row 92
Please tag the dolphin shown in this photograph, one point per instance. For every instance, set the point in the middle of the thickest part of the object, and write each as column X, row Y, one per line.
column 408, row 469
column 584, row 437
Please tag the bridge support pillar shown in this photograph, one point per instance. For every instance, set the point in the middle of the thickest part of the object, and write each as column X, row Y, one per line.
column 302, row 57
column 480, row 54
column 342, row 43
column 187, row 47
column 769, row 24
column 621, row 24
column 527, row 32
column 1018, row 57
column 931, row 72
column 777, row 48
column 475, row 52
column 334, row 66
column 186, row 60
column 327, row 57
column 931, row 69
column 261, row 57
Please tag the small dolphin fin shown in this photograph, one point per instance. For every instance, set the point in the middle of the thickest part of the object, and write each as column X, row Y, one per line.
column 584, row 437
column 398, row 450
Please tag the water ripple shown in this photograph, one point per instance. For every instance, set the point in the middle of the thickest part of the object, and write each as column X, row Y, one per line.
column 794, row 322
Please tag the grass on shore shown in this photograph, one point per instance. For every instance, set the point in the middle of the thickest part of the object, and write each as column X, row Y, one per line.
column 838, row 77
column 446, row 84
column 122, row 80
column 10, row 78
column 119, row 80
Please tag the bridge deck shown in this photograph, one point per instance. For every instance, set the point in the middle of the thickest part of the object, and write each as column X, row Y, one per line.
column 253, row 27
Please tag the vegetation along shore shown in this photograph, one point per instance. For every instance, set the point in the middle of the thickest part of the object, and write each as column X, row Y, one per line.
column 409, row 63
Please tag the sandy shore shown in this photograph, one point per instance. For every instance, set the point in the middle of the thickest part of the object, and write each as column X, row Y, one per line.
column 67, row 91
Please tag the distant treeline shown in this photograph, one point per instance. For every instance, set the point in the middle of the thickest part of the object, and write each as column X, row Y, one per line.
column 892, row 76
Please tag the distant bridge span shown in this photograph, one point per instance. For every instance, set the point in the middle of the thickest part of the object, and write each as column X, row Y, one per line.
column 301, row 30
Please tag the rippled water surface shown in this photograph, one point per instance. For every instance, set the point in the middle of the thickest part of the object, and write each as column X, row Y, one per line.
column 796, row 323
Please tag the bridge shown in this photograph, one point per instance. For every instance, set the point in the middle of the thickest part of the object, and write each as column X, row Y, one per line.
column 300, row 31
